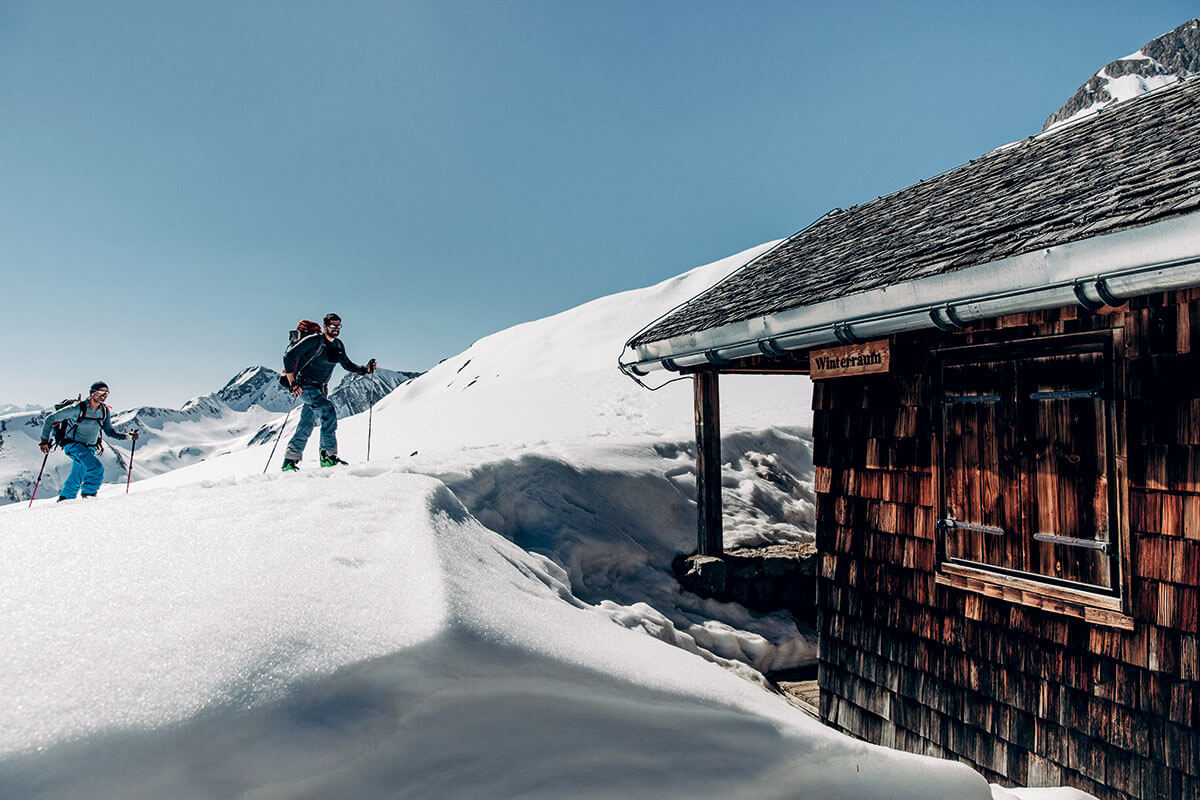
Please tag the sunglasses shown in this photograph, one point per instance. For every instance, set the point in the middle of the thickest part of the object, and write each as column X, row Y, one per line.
column 333, row 325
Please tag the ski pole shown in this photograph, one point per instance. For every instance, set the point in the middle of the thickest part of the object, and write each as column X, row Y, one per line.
column 39, row 479
column 281, row 428
column 370, row 414
column 132, row 449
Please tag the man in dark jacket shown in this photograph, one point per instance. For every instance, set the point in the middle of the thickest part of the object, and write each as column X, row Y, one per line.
column 85, row 421
column 307, row 366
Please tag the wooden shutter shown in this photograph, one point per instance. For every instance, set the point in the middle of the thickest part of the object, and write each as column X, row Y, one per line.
column 1026, row 460
column 1064, row 400
column 979, row 520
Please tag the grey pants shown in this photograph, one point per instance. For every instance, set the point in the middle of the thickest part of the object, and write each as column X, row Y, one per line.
column 316, row 404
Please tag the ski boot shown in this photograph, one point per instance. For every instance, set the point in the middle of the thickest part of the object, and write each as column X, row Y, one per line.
column 290, row 466
column 329, row 459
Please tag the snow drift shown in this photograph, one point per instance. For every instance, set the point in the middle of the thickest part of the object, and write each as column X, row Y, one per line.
column 361, row 634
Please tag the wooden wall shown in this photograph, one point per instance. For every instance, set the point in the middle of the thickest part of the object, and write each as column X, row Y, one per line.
column 1026, row 696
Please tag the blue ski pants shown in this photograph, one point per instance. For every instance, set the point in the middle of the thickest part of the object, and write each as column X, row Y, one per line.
column 86, row 469
column 316, row 404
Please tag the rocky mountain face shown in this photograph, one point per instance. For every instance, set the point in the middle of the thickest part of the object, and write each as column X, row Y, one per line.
column 246, row 411
column 1171, row 57
column 355, row 392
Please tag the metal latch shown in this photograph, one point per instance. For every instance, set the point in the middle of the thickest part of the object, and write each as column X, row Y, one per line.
column 972, row 398
column 1071, row 541
column 971, row 526
column 1079, row 394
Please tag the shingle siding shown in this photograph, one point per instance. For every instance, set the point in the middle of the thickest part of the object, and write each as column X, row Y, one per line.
column 1025, row 695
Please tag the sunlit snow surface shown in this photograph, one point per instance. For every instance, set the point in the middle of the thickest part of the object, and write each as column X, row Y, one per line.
column 360, row 634
column 466, row 615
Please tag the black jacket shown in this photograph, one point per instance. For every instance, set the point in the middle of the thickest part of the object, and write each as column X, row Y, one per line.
column 314, row 357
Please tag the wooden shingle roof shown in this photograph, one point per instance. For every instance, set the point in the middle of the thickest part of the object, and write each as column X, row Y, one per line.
column 1132, row 165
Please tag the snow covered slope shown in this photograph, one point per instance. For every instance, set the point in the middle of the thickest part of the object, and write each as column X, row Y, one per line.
column 484, row 609
column 541, row 437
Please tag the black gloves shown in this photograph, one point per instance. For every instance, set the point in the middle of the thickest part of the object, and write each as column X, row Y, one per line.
column 370, row 367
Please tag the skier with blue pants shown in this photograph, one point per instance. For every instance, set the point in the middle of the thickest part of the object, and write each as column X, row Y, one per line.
column 86, row 420
column 307, row 365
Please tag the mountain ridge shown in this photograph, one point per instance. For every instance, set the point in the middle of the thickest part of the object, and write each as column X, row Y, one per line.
column 1162, row 61
column 242, row 413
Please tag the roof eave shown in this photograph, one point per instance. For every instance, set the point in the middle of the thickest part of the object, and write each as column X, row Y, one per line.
column 1092, row 272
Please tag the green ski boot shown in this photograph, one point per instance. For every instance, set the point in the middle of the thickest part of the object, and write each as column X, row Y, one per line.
column 290, row 466
column 329, row 459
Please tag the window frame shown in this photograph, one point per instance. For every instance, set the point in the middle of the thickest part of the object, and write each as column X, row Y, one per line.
column 1107, row 607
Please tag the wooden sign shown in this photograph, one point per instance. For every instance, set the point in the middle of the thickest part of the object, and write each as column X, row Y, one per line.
column 853, row 359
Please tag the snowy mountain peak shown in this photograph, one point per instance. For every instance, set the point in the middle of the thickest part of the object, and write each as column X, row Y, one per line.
column 253, row 386
column 1168, row 59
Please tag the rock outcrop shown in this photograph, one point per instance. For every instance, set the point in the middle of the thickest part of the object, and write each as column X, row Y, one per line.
column 1170, row 58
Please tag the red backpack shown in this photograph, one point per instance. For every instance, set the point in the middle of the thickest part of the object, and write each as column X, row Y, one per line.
column 302, row 329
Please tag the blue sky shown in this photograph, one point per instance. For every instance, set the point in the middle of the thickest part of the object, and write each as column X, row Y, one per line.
column 180, row 182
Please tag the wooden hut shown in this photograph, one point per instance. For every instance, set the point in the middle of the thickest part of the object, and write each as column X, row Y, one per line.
column 1006, row 415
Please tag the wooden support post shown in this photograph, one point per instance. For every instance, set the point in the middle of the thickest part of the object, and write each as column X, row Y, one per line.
column 708, row 464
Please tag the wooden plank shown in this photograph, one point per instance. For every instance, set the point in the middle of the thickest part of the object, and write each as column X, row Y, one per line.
column 805, row 695
column 1171, row 523
column 1183, row 331
column 1118, row 429
column 708, row 464
column 1095, row 608
column 1188, row 619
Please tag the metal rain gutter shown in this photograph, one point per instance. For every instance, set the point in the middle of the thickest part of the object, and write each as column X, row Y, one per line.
column 1093, row 273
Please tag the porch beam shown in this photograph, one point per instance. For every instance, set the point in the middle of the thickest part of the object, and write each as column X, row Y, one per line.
column 708, row 464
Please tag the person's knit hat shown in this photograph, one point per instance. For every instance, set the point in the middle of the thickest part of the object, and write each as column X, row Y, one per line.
column 97, row 386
